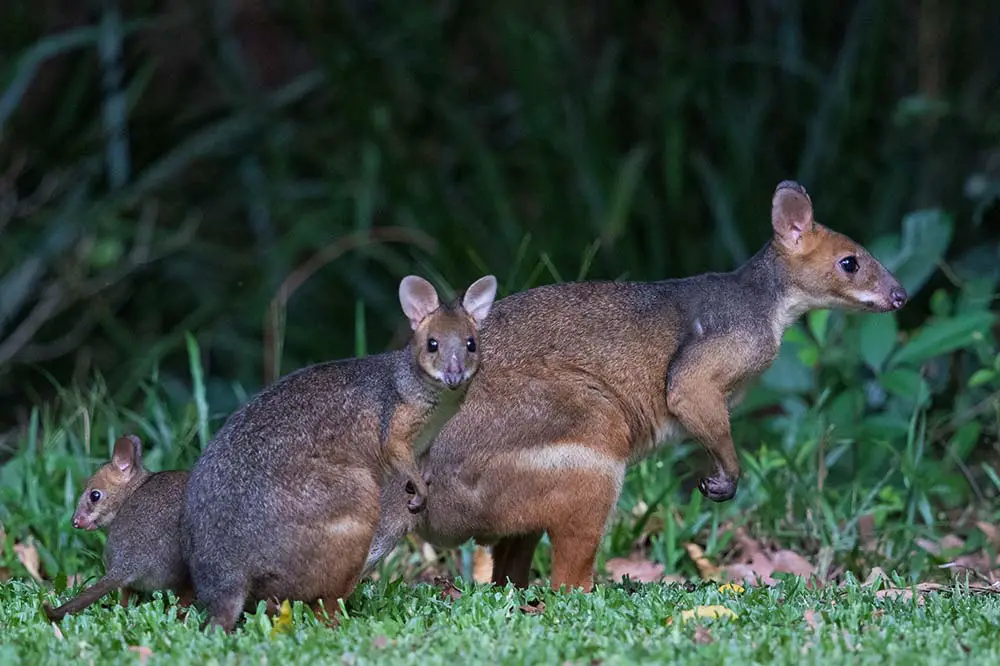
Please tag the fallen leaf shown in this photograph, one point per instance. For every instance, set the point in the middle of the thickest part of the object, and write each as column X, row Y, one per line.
column 533, row 607
column 744, row 573
column 876, row 575
column 283, row 623
column 448, row 590
column 702, row 636
column 810, row 617
column 28, row 556
column 991, row 531
column 788, row 561
column 427, row 552
column 866, row 531
column 745, row 542
column 952, row 542
column 144, row 652
column 58, row 631
column 482, row 565
column 380, row 642
column 709, row 612
column 734, row 588
column 637, row 569
column 4, row 574
column 900, row 593
column 947, row 543
column 706, row 569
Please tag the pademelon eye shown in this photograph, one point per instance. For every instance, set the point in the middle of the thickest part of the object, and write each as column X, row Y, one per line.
column 849, row 264
column 432, row 345
column 470, row 344
column 95, row 495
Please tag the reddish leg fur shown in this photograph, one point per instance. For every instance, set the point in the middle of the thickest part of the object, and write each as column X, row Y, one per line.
column 701, row 378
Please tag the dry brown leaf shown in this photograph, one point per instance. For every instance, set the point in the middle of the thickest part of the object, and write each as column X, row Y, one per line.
column 991, row 531
column 810, row 617
column 4, row 574
column 702, row 636
column 745, row 542
column 903, row 594
column 788, row 561
column 27, row 554
column 979, row 564
column 448, row 590
column 637, row 569
column 947, row 543
column 744, row 573
column 866, row 531
column 144, row 652
column 876, row 574
column 380, row 642
column 482, row 565
column 706, row 569
column 533, row 607
column 952, row 542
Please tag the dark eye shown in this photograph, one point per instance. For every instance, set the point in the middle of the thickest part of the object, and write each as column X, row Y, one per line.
column 432, row 345
column 95, row 495
column 470, row 344
column 849, row 264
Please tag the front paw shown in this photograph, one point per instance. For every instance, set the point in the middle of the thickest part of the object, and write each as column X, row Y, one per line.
column 719, row 487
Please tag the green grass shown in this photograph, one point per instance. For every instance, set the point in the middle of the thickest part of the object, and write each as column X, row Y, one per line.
column 617, row 624
column 394, row 620
column 821, row 451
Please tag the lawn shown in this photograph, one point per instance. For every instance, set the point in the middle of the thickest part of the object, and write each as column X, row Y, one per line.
column 617, row 624
column 676, row 549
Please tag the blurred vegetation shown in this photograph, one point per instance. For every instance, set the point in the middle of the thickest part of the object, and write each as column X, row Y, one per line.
column 197, row 196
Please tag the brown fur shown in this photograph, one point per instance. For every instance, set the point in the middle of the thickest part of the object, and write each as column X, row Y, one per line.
column 581, row 379
column 285, row 499
column 141, row 511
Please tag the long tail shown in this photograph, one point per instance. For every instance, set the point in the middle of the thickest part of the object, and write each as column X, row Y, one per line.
column 82, row 600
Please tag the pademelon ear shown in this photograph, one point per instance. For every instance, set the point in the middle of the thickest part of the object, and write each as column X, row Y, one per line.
column 418, row 299
column 127, row 454
column 478, row 299
column 791, row 213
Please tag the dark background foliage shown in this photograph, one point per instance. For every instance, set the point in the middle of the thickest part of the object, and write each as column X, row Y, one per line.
column 173, row 167
column 197, row 196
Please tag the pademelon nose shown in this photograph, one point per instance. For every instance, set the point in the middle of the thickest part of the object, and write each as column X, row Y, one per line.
column 898, row 297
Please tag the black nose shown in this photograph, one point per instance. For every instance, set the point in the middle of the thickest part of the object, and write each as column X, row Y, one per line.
column 898, row 296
